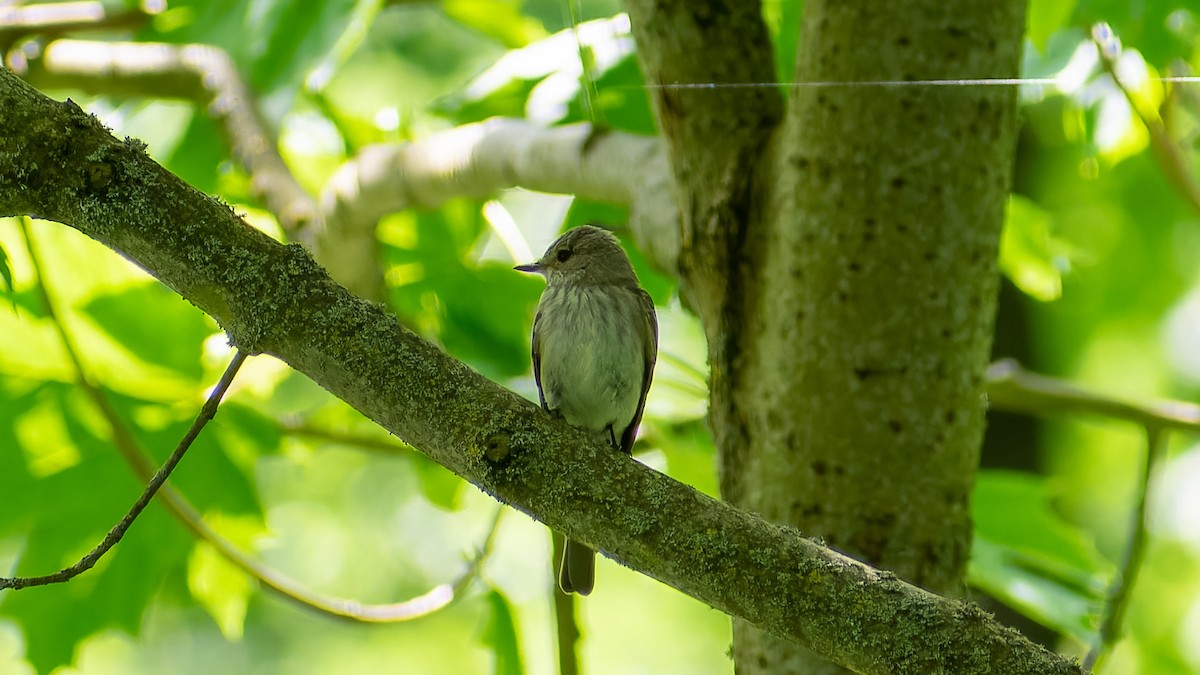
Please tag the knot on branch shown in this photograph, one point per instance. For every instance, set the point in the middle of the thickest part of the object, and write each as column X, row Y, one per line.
column 497, row 450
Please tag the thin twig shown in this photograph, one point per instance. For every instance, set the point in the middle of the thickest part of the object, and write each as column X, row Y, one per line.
column 373, row 443
column 1135, row 551
column 200, row 73
column 52, row 19
column 1170, row 159
column 565, row 621
column 422, row 605
column 207, row 412
column 1010, row 387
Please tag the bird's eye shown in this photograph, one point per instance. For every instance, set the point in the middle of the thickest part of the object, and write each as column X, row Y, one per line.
column 564, row 254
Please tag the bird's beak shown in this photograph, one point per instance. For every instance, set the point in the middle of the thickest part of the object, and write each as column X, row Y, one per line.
column 534, row 268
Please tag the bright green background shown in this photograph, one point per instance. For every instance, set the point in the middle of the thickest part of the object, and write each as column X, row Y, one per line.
column 1098, row 242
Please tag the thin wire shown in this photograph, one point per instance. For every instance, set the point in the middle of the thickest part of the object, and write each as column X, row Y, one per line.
column 966, row 82
column 574, row 11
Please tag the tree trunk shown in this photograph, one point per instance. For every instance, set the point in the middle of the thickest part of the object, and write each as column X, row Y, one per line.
column 851, row 323
column 859, row 397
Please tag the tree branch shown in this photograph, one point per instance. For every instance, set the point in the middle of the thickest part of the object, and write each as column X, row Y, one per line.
column 207, row 412
column 1135, row 551
column 199, row 73
column 479, row 159
column 61, row 164
column 499, row 153
column 56, row 18
column 436, row 598
column 1170, row 158
column 1010, row 387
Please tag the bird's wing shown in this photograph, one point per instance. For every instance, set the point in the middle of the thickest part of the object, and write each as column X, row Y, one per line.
column 649, row 355
column 537, row 358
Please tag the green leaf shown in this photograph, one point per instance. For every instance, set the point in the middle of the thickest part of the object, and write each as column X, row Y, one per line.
column 500, row 20
column 439, row 485
column 436, row 285
column 1029, row 255
column 222, row 588
column 783, row 22
column 554, row 65
column 198, row 155
column 1028, row 557
column 75, row 508
column 620, row 99
column 500, row 635
column 1045, row 17
column 290, row 41
column 154, row 324
column 6, row 274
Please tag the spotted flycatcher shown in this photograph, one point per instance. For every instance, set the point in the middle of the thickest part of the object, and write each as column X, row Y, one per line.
column 595, row 339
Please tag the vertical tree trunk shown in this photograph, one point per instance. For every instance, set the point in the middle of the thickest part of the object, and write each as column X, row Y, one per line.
column 857, row 403
column 843, row 263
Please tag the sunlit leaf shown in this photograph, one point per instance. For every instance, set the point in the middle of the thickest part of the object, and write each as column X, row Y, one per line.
column 6, row 275
column 554, row 64
column 218, row 585
column 173, row 339
column 74, row 513
column 1044, row 17
column 1029, row 255
column 1031, row 559
column 500, row 635
column 501, row 20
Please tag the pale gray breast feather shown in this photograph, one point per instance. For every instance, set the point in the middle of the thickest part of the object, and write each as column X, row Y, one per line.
column 591, row 354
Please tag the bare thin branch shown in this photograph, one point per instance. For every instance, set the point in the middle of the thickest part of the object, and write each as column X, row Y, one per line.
column 1170, row 157
column 275, row 299
column 436, row 598
column 49, row 20
column 118, row 531
column 480, row 159
column 1135, row 551
column 1011, row 387
column 200, row 73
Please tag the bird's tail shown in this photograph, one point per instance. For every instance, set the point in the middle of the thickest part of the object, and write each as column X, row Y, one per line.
column 577, row 574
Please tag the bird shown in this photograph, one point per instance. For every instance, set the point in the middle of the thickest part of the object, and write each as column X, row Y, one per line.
column 595, row 342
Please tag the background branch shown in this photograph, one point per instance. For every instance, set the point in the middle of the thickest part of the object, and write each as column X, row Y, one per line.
column 1135, row 552
column 615, row 167
column 435, row 599
column 1010, row 387
column 199, row 73
column 49, row 20
column 1170, row 157
column 64, row 166
column 477, row 160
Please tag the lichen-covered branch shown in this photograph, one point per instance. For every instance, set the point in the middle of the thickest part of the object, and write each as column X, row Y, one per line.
column 60, row 164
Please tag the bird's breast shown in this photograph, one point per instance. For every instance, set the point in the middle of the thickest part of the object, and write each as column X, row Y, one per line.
column 592, row 364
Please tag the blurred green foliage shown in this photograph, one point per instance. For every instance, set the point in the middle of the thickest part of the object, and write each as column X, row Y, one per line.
column 1099, row 242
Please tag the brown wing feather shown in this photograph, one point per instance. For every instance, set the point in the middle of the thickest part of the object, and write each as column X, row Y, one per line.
column 537, row 359
column 650, row 354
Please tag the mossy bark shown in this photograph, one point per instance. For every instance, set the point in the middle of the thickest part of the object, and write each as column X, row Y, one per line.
column 843, row 262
